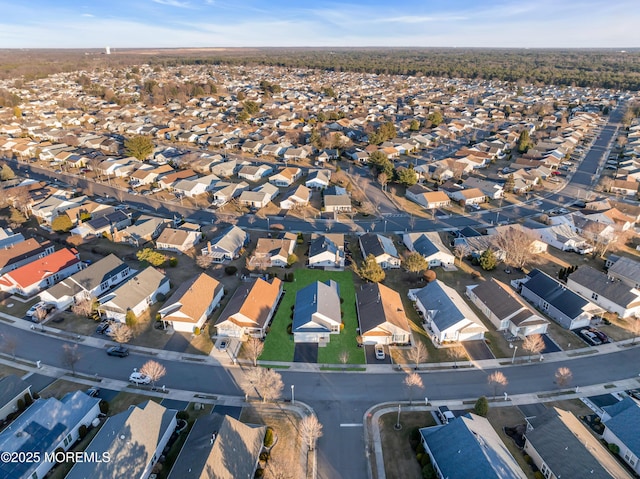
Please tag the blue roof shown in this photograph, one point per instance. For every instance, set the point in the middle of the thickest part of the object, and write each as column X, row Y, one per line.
column 468, row 447
column 318, row 297
column 424, row 246
column 41, row 428
column 555, row 293
column 434, row 298
column 625, row 423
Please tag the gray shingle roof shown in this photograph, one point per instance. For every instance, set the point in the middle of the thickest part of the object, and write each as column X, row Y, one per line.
column 434, row 298
column 320, row 298
column 377, row 245
column 625, row 423
column 598, row 282
column 555, row 293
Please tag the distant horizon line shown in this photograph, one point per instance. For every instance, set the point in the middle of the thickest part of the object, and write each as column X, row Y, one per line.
column 326, row 47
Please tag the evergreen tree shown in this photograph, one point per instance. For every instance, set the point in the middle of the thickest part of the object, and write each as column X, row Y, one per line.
column 481, row 407
column 524, row 142
column 488, row 260
column 139, row 147
column 370, row 270
column 407, row 176
column 6, row 173
column 414, row 262
column 61, row 223
column 509, row 184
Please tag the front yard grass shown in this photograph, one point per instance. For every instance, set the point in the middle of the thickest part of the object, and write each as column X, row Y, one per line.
column 279, row 344
column 125, row 399
column 501, row 417
column 59, row 388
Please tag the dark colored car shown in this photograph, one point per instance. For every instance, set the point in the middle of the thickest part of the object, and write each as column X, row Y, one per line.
column 102, row 327
column 92, row 392
column 119, row 351
column 601, row 336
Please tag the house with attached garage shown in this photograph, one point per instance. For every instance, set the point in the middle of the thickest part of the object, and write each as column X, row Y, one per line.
column 552, row 435
column 254, row 173
column 622, row 422
column 427, row 198
column 206, row 455
column 327, row 251
column 624, row 269
column 316, row 314
column 177, row 239
column 227, row 245
column 135, row 295
column 89, row 283
column 382, row 249
column 42, row 273
column 505, row 310
column 463, row 196
column 273, row 252
column 611, row 294
column 105, row 222
column 24, row 252
column 564, row 306
column 469, row 447
column 260, row 196
column 285, row 177
column 12, row 388
column 296, row 198
column 134, row 440
column 191, row 304
column 250, row 309
column 44, row 427
column 336, row 200
column 430, row 246
column 225, row 191
column 55, row 204
column 318, row 179
column 145, row 229
column 197, row 186
column 381, row 315
column 446, row 316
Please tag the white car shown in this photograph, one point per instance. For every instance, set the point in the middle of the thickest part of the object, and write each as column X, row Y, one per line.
column 139, row 378
column 379, row 351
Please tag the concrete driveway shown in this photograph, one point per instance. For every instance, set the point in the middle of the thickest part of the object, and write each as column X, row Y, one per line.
column 370, row 354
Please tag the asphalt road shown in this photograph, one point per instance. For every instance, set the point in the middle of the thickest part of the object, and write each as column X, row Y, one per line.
column 339, row 399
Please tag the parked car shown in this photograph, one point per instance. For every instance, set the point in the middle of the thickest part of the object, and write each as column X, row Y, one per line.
column 601, row 336
column 445, row 415
column 119, row 351
column 139, row 378
column 34, row 308
column 590, row 337
column 48, row 308
column 379, row 349
column 102, row 327
column 92, row 392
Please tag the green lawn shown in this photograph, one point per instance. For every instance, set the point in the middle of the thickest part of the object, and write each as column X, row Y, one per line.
column 279, row 345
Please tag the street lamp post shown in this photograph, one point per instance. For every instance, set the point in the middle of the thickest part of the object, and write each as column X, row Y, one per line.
column 293, row 399
column 513, row 359
column 398, row 426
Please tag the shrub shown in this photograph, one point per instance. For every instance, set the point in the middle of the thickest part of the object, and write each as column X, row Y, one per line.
column 527, row 459
column 300, row 239
column 82, row 431
column 104, row 407
column 184, row 415
column 425, row 461
column 130, row 319
column 230, row 270
column 196, row 331
column 419, row 457
column 259, row 473
column 481, row 407
column 428, row 472
column 20, row 404
column 290, row 327
column 614, row 448
column 28, row 400
column 538, row 475
column 264, row 456
column 429, row 275
column 420, row 447
column 268, row 437
column 173, row 262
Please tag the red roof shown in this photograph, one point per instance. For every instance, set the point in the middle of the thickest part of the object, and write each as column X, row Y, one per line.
column 36, row 271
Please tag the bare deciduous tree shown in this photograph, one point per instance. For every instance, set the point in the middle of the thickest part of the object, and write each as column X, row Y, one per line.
column 121, row 333
column 563, row 376
column 154, row 370
column 516, row 244
column 461, row 250
column 84, row 307
column 383, row 179
column 413, row 380
column 343, row 357
column 418, row 353
column 270, row 385
column 457, row 353
column 70, row 356
column 255, row 347
column 533, row 344
column 250, row 381
column 634, row 327
column 310, row 431
column 9, row 344
column 40, row 314
column 204, row 261
column 497, row 379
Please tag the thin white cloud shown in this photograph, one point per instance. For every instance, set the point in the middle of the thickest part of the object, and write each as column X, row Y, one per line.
column 87, row 15
column 173, row 3
column 422, row 19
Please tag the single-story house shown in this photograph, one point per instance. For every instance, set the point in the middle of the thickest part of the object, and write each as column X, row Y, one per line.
column 298, row 197
column 12, row 388
column 191, row 304
column 427, row 198
column 225, row 191
column 446, row 315
column 228, row 245
column 561, row 304
column 382, row 249
column 108, row 222
column 273, row 252
column 134, row 439
column 327, row 251
column 88, row 283
column 259, row 197
column 145, row 229
column 430, row 246
column 471, row 196
column 622, row 421
column 254, row 173
column 552, row 435
column 564, row 238
column 336, row 203
column 205, row 453
column 136, row 295
column 46, row 426
column 624, row 269
column 505, row 310
column 317, row 315
column 23, row 253
column 285, row 177
column 42, row 273
column 318, row 179
column 250, row 309
column 381, row 315
column 469, row 447
column 177, row 239
column 612, row 295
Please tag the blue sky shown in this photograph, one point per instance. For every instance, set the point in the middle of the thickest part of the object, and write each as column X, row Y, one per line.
column 227, row 23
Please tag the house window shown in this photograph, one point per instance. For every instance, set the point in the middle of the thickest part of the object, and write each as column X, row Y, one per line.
column 630, row 458
column 104, row 285
column 545, row 306
column 34, row 475
column 594, row 296
column 545, row 470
